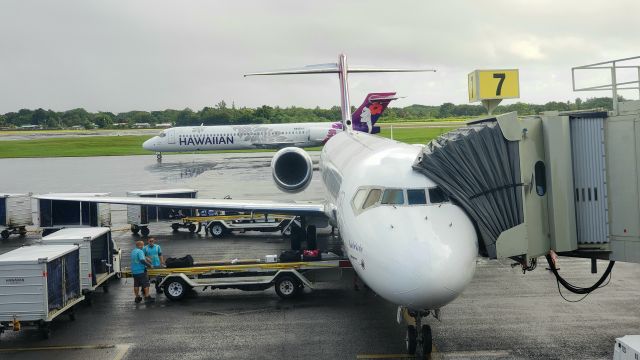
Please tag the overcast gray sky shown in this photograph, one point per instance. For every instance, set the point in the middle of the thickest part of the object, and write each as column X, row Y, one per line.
column 122, row 55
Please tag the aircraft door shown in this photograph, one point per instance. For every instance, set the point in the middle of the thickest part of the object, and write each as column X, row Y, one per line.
column 171, row 136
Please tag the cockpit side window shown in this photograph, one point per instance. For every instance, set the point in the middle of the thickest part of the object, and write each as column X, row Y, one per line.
column 163, row 134
column 416, row 197
column 437, row 196
column 359, row 198
column 393, row 197
column 372, row 198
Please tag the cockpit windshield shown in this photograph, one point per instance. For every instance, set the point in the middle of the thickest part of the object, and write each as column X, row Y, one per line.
column 368, row 197
column 162, row 134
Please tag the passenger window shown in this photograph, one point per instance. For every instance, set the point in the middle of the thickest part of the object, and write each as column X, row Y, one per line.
column 359, row 198
column 437, row 196
column 372, row 198
column 393, row 197
column 416, row 197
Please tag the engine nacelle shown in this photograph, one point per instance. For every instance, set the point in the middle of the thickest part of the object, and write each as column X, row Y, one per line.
column 292, row 169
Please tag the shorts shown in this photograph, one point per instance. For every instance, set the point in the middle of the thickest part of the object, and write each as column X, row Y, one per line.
column 141, row 280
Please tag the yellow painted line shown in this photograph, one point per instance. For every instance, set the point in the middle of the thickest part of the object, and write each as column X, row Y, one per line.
column 58, row 348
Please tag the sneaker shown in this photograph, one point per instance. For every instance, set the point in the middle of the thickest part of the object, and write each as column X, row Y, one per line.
column 149, row 299
column 138, row 299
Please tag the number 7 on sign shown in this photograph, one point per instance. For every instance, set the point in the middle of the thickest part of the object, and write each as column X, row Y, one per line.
column 500, row 76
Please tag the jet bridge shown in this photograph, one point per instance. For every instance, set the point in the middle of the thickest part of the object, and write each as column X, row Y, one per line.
column 567, row 182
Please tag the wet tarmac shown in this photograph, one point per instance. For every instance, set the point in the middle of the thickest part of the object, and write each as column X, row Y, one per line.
column 502, row 314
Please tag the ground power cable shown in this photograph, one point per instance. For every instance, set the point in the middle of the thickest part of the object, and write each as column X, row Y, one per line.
column 576, row 289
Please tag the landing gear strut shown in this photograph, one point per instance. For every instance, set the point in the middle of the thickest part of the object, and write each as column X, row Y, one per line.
column 418, row 339
column 159, row 156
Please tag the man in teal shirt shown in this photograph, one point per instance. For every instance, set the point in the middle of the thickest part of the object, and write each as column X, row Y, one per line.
column 154, row 252
column 139, row 264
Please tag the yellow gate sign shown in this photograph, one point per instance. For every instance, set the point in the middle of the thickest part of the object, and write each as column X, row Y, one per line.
column 493, row 85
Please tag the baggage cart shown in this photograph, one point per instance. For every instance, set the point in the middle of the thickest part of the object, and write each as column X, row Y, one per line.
column 15, row 214
column 57, row 214
column 99, row 258
column 140, row 216
column 37, row 284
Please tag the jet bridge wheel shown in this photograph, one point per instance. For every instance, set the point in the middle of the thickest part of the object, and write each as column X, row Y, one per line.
column 288, row 286
column 175, row 289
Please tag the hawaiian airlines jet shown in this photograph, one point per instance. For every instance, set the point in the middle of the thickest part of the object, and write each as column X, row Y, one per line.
column 403, row 236
column 268, row 136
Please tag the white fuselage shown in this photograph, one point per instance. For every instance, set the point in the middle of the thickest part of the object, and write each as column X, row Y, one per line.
column 422, row 255
column 237, row 137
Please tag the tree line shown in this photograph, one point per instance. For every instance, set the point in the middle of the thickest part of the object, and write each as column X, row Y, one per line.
column 222, row 114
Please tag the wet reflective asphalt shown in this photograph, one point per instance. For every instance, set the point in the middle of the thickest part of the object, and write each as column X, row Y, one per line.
column 502, row 314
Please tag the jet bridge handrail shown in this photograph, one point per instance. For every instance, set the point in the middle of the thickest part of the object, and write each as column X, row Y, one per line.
column 614, row 85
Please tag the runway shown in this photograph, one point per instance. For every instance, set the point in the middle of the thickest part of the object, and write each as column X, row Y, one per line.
column 502, row 314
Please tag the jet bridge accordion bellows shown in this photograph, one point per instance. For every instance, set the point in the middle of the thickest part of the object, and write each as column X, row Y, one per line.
column 480, row 170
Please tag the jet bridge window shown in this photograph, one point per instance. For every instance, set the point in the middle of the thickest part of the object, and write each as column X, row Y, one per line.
column 416, row 197
column 393, row 197
column 437, row 196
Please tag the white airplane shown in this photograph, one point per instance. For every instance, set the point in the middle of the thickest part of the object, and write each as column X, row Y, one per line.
column 268, row 136
column 404, row 238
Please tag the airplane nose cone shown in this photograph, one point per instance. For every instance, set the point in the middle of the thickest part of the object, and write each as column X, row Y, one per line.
column 149, row 144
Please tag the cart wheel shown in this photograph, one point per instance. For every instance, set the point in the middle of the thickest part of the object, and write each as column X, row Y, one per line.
column 175, row 289
column 22, row 231
column 175, row 226
column 192, row 228
column 135, row 229
column 5, row 234
column 287, row 286
column 217, row 230
column 286, row 232
column 45, row 330
column 144, row 231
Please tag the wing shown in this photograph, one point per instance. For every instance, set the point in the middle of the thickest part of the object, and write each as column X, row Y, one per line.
column 307, row 208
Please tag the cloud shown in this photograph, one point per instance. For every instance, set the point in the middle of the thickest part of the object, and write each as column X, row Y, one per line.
column 154, row 54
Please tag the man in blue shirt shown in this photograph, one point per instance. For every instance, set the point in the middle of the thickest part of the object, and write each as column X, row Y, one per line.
column 153, row 251
column 139, row 264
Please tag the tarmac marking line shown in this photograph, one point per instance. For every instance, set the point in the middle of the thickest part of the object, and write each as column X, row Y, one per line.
column 58, row 348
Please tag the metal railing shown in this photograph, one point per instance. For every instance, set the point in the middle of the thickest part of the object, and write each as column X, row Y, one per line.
column 614, row 86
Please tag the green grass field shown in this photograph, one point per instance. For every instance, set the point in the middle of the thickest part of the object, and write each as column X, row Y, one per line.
column 132, row 145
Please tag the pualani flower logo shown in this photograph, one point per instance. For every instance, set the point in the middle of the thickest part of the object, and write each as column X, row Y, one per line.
column 375, row 108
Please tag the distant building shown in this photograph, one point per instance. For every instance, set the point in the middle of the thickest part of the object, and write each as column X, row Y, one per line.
column 77, row 127
column 121, row 125
column 30, row 127
column 141, row 125
column 164, row 125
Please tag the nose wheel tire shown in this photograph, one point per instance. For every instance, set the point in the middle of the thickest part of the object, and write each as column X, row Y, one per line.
column 411, row 339
column 287, row 286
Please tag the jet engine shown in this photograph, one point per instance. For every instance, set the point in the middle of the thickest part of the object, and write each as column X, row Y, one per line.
column 292, row 169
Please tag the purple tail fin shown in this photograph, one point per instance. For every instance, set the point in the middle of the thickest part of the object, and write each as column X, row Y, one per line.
column 366, row 116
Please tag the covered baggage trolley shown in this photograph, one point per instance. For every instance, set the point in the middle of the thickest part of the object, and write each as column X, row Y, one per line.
column 57, row 214
column 15, row 214
column 38, row 283
column 99, row 258
column 140, row 216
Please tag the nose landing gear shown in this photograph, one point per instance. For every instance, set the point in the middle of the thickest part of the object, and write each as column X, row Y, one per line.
column 159, row 157
column 419, row 340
